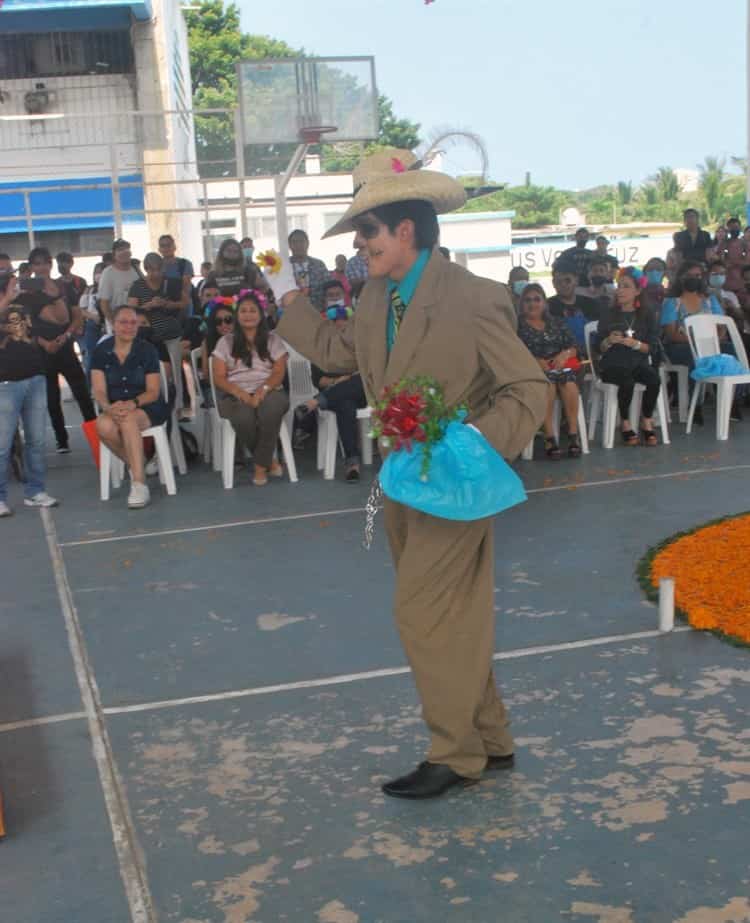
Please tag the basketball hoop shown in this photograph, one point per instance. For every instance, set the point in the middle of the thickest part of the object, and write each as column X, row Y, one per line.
column 313, row 133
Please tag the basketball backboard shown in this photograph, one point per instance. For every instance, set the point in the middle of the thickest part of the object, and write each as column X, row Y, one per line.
column 286, row 100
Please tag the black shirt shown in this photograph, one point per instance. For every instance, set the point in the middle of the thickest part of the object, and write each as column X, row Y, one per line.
column 587, row 306
column 127, row 380
column 165, row 325
column 581, row 258
column 693, row 251
column 232, row 281
column 20, row 360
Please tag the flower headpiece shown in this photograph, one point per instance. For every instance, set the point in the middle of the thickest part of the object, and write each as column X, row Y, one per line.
column 337, row 312
column 257, row 295
column 221, row 301
column 637, row 275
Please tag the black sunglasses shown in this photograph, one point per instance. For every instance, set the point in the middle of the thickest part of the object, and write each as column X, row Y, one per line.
column 224, row 320
column 368, row 229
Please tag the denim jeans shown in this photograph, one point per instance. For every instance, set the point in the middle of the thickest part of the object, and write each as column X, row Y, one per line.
column 87, row 343
column 25, row 400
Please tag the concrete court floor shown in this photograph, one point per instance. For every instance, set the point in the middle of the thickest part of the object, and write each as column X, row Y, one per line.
column 244, row 695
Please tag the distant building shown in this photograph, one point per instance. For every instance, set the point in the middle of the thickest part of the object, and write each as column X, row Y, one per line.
column 72, row 76
column 689, row 180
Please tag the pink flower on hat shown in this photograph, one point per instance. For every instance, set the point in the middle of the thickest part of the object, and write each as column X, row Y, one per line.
column 397, row 165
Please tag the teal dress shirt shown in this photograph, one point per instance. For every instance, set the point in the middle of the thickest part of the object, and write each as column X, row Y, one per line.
column 406, row 289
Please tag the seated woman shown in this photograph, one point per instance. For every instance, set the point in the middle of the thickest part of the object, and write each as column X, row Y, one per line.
column 630, row 353
column 249, row 369
column 127, row 386
column 688, row 296
column 551, row 343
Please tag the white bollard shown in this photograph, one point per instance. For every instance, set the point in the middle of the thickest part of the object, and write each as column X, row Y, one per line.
column 666, row 604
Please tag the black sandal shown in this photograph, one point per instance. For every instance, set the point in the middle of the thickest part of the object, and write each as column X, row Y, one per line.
column 629, row 437
column 574, row 446
column 649, row 437
column 552, row 449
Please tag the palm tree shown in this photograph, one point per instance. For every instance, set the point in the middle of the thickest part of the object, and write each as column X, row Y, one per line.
column 665, row 180
column 711, row 178
column 624, row 192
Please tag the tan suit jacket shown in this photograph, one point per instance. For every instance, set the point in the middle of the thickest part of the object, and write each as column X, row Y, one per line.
column 459, row 329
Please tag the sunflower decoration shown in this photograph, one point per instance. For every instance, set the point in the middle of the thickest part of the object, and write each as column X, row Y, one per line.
column 270, row 261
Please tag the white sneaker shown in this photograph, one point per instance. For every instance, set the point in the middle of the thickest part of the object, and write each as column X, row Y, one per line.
column 40, row 499
column 139, row 496
column 152, row 468
column 5, row 510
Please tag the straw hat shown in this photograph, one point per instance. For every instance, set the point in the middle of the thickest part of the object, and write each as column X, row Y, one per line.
column 393, row 175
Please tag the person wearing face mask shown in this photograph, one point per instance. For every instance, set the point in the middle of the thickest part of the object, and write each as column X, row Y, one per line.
column 735, row 256
column 717, row 280
column 654, row 293
column 518, row 279
column 248, row 250
column 688, row 296
column 340, row 392
column 599, row 289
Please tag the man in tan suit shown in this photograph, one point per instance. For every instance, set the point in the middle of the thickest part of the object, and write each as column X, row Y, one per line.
column 422, row 315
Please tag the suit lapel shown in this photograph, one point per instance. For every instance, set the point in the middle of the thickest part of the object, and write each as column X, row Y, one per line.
column 375, row 317
column 415, row 322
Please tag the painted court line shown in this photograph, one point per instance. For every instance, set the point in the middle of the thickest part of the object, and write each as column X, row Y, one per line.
column 346, row 678
column 360, row 509
column 38, row 722
column 127, row 849
column 330, row 681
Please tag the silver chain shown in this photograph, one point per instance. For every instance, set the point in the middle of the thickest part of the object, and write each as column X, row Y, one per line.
column 371, row 509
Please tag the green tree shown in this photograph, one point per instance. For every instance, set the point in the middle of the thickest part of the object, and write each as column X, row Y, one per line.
column 666, row 184
column 394, row 132
column 533, row 205
column 624, row 192
column 216, row 44
column 711, row 179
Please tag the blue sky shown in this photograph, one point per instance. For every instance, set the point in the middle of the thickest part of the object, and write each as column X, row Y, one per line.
column 575, row 91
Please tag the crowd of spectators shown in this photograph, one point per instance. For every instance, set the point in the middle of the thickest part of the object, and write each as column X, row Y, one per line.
column 110, row 339
column 106, row 340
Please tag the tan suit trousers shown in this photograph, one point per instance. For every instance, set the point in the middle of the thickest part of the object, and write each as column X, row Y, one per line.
column 444, row 608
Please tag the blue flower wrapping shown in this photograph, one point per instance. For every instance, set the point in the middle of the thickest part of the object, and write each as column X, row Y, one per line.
column 467, row 478
column 714, row 366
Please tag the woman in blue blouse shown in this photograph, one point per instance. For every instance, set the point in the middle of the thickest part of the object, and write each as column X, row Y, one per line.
column 688, row 296
column 127, row 386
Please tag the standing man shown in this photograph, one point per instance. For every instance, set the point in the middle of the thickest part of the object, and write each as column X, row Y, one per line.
column 613, row 264
column 311, row 274
column 117, row 279
column 422, row 315
column 73, row 286
column 693, row 241
column 580, row 256
column 177, row 267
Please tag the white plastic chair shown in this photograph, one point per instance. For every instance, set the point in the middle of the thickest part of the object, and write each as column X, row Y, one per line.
column 528, row 452
column 604, row 402
column 228, row 442
column 203, row 417
column 112, row 468
column 683, row 388
column 328, row 440
column 703, row 336
column 175, row 439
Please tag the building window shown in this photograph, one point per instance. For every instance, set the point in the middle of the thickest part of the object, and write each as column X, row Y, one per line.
column 86, row 242
column 297, row 223
column 54, row 54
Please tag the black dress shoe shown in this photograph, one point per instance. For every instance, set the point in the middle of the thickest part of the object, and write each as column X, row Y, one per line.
column 500, row 762
column 429, row 780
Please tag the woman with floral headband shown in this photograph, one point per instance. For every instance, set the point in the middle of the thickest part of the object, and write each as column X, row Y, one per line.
column 249, row 368
column 631, row 352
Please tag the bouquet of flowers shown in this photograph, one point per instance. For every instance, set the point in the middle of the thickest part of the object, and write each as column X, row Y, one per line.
column 414, row 410
column 437, row 463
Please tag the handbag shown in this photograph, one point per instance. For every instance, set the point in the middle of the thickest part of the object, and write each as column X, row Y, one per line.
column 467, row 478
